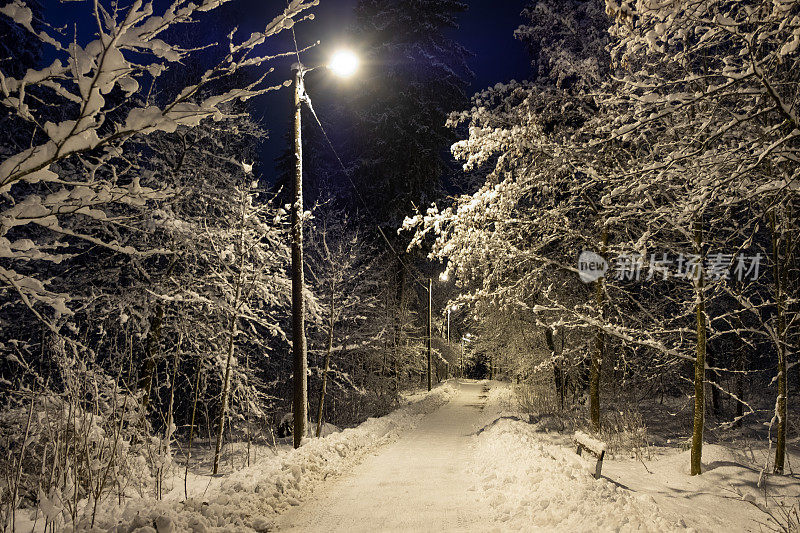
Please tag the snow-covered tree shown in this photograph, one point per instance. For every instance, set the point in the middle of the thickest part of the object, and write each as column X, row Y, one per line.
column 513, row 242
column 107, row 91
column 142, row 270
column 707, row 89
column 414, row 76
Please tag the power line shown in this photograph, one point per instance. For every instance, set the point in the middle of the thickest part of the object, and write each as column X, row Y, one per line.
column 307, row 99
column 358, row 194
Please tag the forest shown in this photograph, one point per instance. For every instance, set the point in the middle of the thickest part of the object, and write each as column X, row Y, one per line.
column 609, row 242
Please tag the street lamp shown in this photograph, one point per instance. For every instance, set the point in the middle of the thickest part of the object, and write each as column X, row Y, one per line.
column 449, row 309
column 344, row 64
column 464, row 340
column 430, row 327
column 442, row 277
column 461, row 360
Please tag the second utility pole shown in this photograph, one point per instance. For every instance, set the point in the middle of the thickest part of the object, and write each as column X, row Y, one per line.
column 430, row 305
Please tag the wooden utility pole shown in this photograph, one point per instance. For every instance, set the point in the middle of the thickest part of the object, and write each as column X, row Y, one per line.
column 430, row 329
column 461, row 361
column 448, row 325
column 300, row 362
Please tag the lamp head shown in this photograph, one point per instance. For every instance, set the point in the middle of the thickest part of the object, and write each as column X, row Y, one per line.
column 343, row 63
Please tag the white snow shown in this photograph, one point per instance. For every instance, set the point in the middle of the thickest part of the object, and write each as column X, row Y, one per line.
column 249, row 499
column 472, row 466
column 726, row 497
column 589, row 442
column 534, row 485
column 459, row 459
column 475, row 465
column 416, row 484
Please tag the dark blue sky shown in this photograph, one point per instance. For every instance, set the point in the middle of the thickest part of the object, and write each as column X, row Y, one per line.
column 486, row 29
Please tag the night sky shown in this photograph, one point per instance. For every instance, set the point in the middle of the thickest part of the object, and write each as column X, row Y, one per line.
column 486, row 30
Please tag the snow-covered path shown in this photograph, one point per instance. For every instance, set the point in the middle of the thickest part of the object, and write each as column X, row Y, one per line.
column 473, row 466
column 418, row 483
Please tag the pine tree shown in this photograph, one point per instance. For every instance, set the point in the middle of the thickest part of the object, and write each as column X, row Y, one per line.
column 414, row 76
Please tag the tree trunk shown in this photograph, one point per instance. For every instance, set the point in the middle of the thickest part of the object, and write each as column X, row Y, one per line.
column 558, row 376
column 713, row 380
column 150, row 350
column 780, row 333
column 741, row 364
column 191, row 428
column 166, row 443
column 234, row 318
column 331, row 322
column 700, row 361
column 597, row 355
column 223, row 410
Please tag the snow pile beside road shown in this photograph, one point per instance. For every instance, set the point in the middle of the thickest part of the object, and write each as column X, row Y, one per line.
column 249, row 500
column 532, row 485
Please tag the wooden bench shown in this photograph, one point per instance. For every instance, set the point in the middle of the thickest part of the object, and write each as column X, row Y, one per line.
column 594, row 447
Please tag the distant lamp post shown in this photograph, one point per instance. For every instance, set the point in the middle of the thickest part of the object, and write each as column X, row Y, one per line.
column 461, row 360
column 449, row 309
column 442, row 277
column 430, row 327
column 344, row 64
column 464, row 340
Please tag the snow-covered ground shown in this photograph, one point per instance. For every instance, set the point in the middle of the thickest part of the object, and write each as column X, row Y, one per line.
column 474, row 466
column 250, row 498
column 460, row 458
column 419, row 483
column 535, row 482
column 477, row 465
column 726, row 497
column 531, row 483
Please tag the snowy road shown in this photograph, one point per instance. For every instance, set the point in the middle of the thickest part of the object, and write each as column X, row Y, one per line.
column 473, row 466
column 418, row 483
column 459, row 458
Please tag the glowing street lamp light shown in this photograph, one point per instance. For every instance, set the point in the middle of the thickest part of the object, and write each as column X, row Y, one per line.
column 343, row 64
column 449, row 309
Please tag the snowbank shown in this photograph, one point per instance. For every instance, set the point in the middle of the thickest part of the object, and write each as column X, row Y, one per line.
column 533, row 485
column 249, row 500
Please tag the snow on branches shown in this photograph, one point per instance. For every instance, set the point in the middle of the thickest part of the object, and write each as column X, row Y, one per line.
column 683, row 143
column 67, row 163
